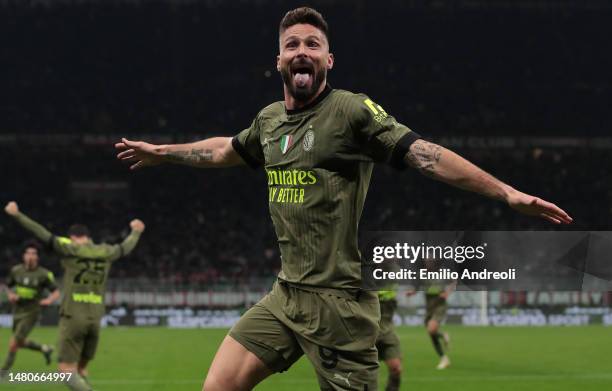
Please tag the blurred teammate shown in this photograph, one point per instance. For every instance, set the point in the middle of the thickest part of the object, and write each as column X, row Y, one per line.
column 318, row 147
column 388, row 343
column 27, row 282
column 86, row 267
column 436, row 295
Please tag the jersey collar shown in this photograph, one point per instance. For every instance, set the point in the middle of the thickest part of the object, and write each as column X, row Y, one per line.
column 28, row 269
column 312, row 104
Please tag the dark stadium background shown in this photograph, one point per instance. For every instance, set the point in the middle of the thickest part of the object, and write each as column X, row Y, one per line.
column 522, row 88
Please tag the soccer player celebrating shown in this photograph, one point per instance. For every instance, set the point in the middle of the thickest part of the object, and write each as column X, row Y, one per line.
column 27, row 282
column 318, row 147
column 86, row 267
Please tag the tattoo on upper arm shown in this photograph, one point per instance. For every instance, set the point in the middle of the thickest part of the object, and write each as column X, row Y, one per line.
column 424, row 156
column 192, row 156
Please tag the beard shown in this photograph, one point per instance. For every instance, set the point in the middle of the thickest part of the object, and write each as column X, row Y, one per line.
column 303, row 94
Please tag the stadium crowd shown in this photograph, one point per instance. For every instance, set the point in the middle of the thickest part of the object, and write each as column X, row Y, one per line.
column 213, row 225
column 441, row 66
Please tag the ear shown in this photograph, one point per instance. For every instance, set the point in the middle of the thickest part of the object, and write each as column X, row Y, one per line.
column 278, row 63
column 330, row 61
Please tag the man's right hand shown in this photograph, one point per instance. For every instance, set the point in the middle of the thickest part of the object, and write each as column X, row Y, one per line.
column 12, row 209
column 139, row 153
column 137, row 225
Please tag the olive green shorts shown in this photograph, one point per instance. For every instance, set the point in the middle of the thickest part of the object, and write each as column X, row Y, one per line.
column 337, row 335
column 78, row 339
column 388, row 345
column 437, row 313
column 23, row 325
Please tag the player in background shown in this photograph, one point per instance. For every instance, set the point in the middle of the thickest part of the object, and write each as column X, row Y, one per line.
column 86, row 266
column 436, row 296
column 27, row 283
column 318, row 147
column 388, row 343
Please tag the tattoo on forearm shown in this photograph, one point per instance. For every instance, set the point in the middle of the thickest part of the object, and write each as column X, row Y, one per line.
column 193, row 156
column 424, row 156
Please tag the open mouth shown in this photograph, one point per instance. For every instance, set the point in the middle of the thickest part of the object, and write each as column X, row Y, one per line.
column 302, row 74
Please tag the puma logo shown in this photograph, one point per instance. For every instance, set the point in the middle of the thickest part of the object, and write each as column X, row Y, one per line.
column 340, row 377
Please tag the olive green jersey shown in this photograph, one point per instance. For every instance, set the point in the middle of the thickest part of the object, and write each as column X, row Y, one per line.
column 319, row 161
column 433, row 289
column 30, row 286
column 86, row 267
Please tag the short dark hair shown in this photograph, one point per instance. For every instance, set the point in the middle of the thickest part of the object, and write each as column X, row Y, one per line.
column 78, row 230
column 31, row 244
column 305, row 15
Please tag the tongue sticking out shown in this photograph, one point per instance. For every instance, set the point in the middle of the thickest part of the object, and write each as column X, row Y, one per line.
column 301, row 79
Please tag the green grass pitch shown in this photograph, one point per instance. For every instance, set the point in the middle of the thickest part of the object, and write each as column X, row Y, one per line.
column 498, row 359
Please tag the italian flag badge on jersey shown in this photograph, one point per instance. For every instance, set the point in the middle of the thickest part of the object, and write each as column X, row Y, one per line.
column 286, row 143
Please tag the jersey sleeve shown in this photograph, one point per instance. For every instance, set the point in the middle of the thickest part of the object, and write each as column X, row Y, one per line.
column 380, row 136
column 63, row 246
column 247, row 144
column 125, row 248
column 37, row 229
column 50, row 282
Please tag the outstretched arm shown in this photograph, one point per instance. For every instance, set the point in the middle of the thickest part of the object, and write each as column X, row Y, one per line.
column 59, row 244
column 12, row 209
column 212, row 152
column 129, row 243
column 444, row 165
